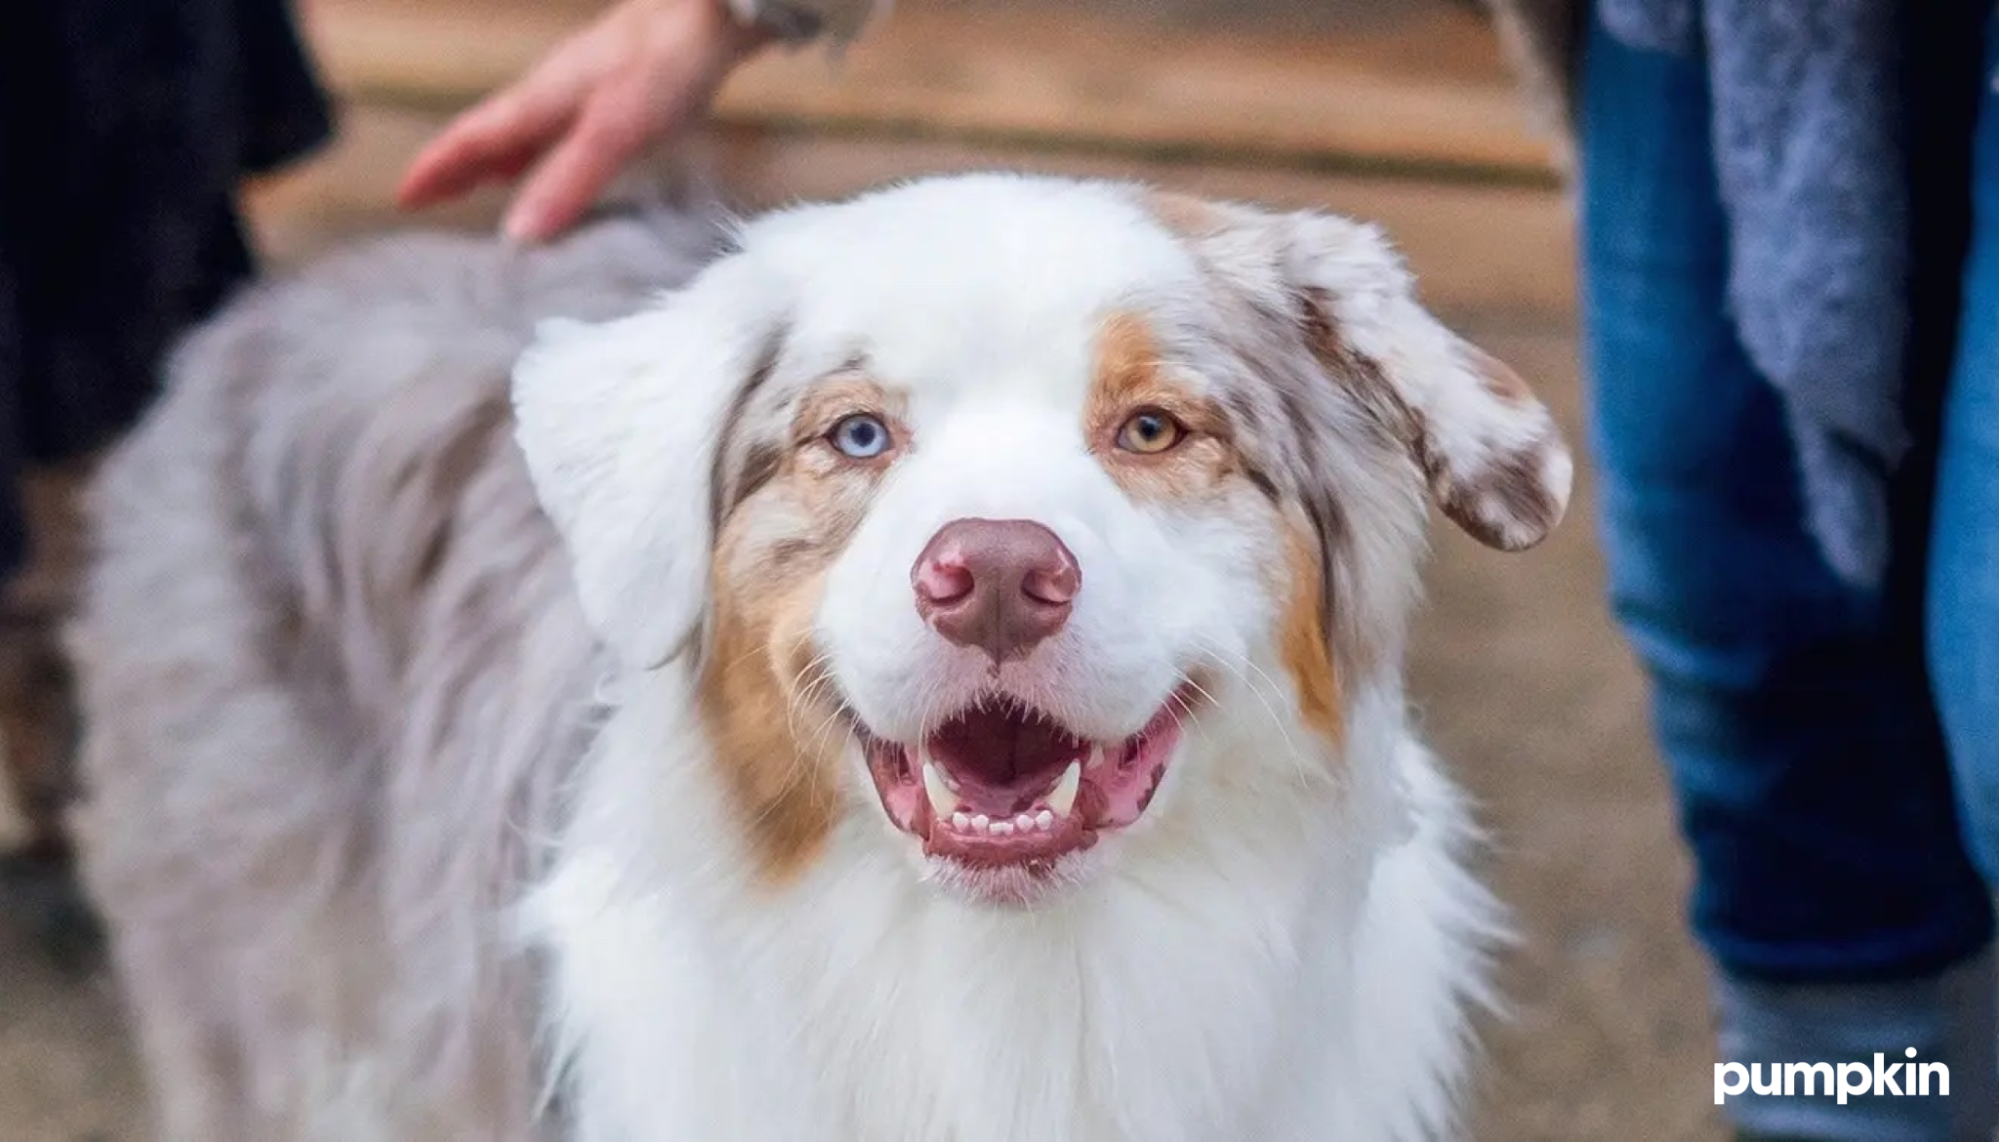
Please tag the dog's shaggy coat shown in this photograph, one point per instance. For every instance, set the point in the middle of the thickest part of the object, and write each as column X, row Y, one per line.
column 441, row 785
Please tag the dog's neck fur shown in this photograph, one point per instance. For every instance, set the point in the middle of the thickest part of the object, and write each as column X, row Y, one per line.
column 1196, row 988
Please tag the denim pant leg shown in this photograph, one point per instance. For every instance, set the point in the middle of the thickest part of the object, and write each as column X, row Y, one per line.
column 1792, row 711
column 1963, row 598
column 1964, row 562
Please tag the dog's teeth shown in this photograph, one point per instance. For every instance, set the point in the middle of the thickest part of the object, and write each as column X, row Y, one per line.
column 1024, row 822
column 1045, row 819
column 980, row 821
column 1000, row 829
column 1096, row 757
column 1063, row 798
column 960, row 821
column 942, row 801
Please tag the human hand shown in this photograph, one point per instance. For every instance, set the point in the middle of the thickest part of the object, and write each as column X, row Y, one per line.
column 638, row 73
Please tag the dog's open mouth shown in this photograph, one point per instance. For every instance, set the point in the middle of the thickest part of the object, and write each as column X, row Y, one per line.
column 1000, row 785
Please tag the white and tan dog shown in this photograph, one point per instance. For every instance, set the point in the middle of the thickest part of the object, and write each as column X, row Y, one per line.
column 934, row 674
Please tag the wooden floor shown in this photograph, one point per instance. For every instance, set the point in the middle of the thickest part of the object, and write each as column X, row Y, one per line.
column 1412, row 85
column 1398, row 111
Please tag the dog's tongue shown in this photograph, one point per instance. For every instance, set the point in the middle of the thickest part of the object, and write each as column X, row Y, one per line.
column 1000, row 761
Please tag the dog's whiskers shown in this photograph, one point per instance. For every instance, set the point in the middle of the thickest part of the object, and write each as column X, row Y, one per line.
column 802, row 691
column 1240, row 666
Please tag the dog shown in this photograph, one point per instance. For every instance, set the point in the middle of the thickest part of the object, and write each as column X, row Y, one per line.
column 921, row 666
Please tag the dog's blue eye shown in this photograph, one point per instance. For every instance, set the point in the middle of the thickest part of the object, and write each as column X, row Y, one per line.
column 861, row 436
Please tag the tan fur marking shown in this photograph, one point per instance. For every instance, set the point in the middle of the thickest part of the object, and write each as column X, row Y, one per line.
column 783, row 790
column 1127, row 365
column 1303, row 642
column 775, row 734
column 1127, row 377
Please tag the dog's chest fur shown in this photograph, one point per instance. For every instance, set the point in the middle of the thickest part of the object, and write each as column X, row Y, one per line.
column 1235, row 988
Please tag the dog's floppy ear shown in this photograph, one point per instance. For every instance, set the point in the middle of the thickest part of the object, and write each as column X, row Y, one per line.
column 620, row 423
column 1493, row 457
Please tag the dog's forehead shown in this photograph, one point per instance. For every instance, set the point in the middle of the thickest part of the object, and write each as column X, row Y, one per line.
column 971, row 285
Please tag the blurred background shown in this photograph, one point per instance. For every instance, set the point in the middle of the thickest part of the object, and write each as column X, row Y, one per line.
column 1398, row 111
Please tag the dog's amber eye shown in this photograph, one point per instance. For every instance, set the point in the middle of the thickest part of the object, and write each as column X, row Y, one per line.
column 861, row 436
column 1150, row 431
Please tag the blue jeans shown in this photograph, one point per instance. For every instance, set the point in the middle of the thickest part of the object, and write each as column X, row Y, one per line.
column 1964, row 554
column 1796, row 714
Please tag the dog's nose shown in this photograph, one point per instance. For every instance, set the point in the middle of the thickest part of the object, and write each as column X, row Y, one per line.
column 1000, row 585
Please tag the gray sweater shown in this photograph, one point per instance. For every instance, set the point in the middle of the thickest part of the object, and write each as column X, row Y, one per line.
column 1808, row 152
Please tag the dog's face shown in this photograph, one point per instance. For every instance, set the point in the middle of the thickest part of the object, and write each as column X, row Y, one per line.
column 974, row 499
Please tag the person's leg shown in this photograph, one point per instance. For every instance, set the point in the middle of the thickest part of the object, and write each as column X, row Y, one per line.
column 1832, row 891
column 1964, row 562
